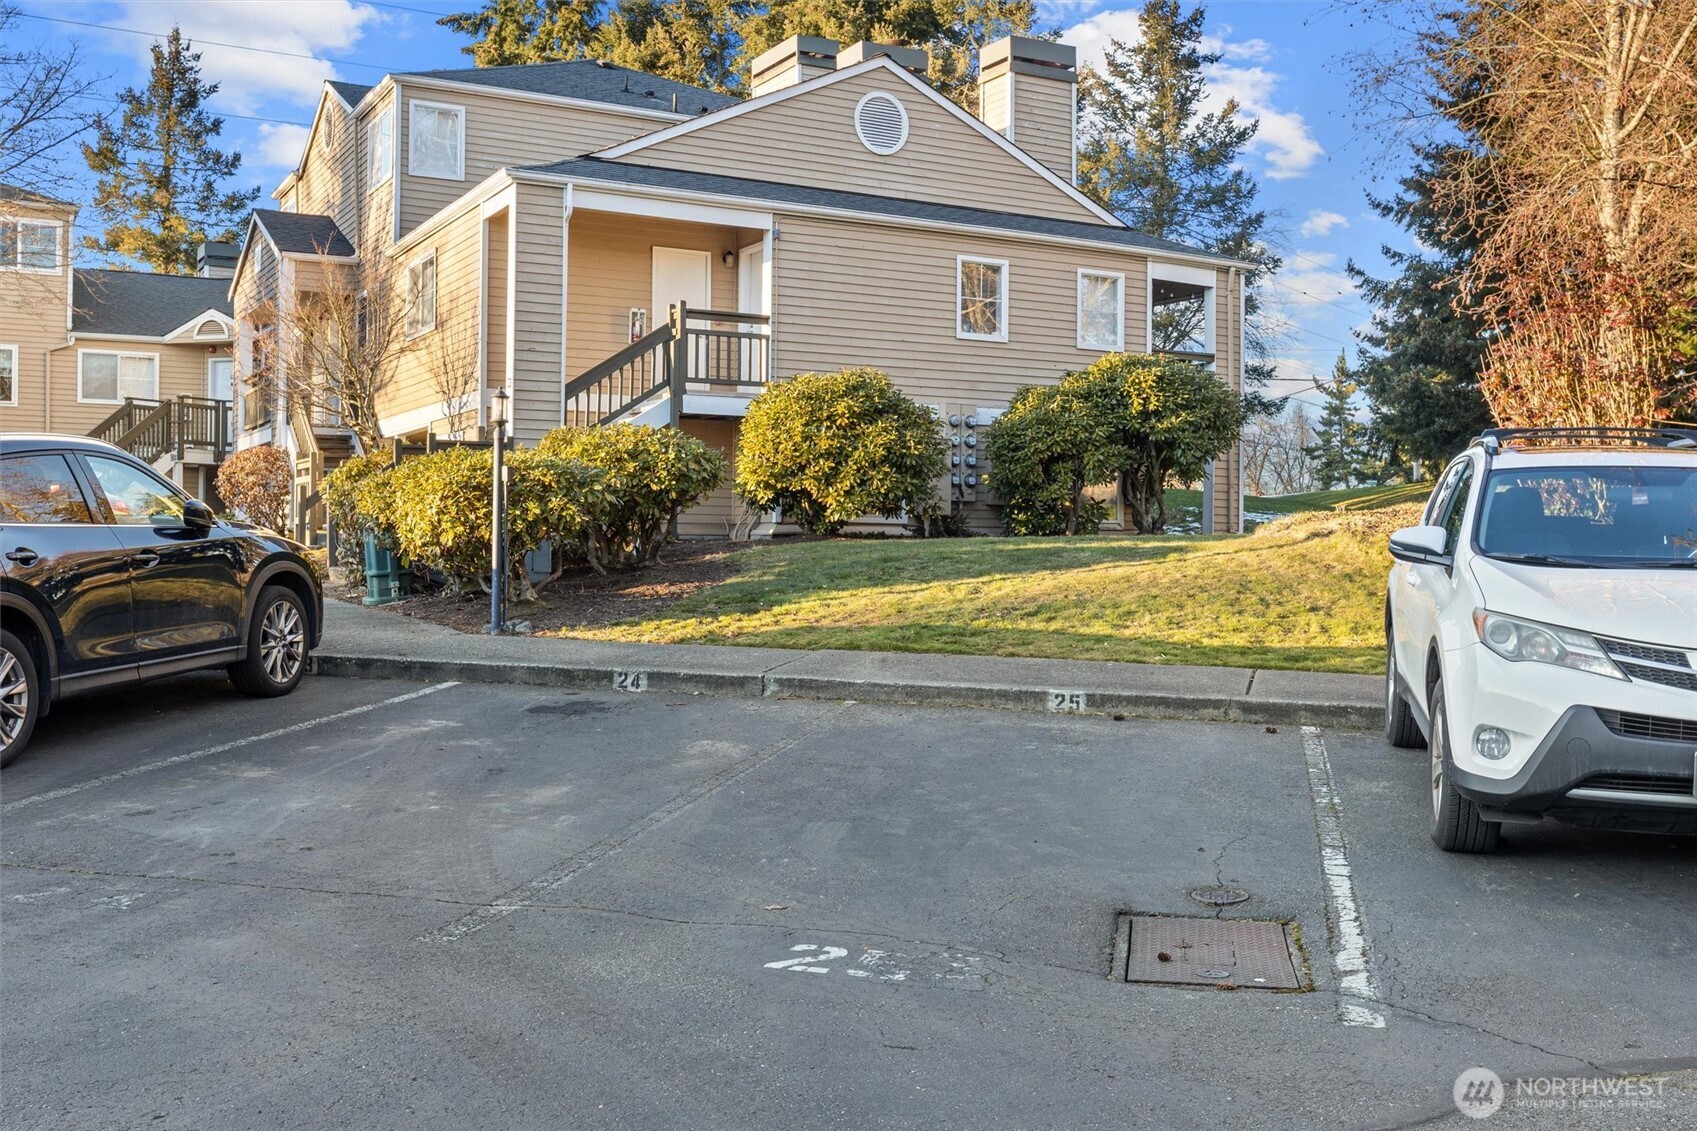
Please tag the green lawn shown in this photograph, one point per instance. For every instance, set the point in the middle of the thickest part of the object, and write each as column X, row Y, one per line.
column 1184, row 508
column 1306, row 593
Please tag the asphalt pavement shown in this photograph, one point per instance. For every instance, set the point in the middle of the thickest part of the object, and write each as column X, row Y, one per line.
column 383, row 904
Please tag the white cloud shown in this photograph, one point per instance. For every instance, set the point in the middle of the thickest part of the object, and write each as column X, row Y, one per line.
column 1310, row 278
column 1282, row 140
column 282, row 143
column 1321, row 222
column 247, row 79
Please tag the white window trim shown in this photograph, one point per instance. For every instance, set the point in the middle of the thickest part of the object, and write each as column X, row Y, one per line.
column 413, row 105
column 901, row 111
column 387, row 173
column 58, row 227
column 1002, row 334
column 120, row 355
column 1119, row 321
column 416, row 261
column 12, row 401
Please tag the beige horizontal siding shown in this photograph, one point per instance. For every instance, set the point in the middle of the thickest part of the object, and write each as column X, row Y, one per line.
column 717, row 515
column 502, row 131
column 32, row 318
column 182, row 372
column 420, row 379
column 328, row 184
column 809, row 139
column 1043, row 121
column 539, row 301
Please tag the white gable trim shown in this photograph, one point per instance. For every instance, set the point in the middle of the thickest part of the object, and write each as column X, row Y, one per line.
column 194, row 324
column 253, row 225
column 920, row 85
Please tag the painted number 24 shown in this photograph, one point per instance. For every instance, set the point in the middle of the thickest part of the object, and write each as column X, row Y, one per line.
column 804, row 965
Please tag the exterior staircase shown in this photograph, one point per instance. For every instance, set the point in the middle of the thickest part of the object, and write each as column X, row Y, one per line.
column 186, row 437
column 706, row 351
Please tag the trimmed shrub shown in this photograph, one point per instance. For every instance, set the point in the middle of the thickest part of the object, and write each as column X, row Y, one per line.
column 831, row 447
column 349, row 498
column 648, row 475
column 1039, row 452
column 255, row 483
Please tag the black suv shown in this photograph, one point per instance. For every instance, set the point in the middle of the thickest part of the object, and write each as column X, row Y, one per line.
column 111, row 574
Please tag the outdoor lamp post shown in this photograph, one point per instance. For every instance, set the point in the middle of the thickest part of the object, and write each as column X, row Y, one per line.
column 498, row 516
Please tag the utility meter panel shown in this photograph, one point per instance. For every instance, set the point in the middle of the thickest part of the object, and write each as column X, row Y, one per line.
column 963, row 429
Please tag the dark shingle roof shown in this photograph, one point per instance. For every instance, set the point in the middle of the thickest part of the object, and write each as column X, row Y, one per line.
column 140, row 303
column 592, row 81
column 350, row 92
column 303, row 233
column 12, row 193
column 594, row 168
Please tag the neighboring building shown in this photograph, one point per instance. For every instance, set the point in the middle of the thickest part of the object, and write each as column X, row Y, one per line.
column 141, row 360
column 553, row 214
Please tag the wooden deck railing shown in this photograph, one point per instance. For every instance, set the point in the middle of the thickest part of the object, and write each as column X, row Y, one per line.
column 149, row 430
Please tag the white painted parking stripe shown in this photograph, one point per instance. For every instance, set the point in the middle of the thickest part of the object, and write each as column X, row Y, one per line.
column 1356, row 985
column 179, row 759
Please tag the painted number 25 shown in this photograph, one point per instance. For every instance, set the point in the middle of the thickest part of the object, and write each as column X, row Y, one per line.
column 804, row 965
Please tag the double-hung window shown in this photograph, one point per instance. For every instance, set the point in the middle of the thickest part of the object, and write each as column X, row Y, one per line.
column 380, row 147
column 1101, row 311
column 981, row 299
column 421, row 295
column 29, row 245
column 436, row 141
column 110, row 376
column 9, row 376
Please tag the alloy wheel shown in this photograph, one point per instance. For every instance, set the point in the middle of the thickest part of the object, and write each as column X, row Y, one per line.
column 1437, row 747
column 282, row 642
column 14, row 699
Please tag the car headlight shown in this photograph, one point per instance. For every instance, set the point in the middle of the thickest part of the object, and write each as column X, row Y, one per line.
column 1525, row 641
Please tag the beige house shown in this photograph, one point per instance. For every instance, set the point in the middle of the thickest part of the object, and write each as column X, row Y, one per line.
column 141, row 360
column 606, row 245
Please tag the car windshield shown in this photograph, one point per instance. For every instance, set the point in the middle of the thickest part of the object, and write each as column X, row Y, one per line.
column 1592, row 516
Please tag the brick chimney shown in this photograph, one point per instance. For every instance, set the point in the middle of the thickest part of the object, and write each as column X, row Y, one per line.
column 1028, row 93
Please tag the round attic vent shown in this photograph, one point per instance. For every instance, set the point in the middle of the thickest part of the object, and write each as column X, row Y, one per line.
column 880, row 123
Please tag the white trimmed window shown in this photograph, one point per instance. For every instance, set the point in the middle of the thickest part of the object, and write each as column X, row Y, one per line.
column 1101, row 310
column 108, row 377
column 30, row 245
column 421, row 295
column 981, row 299
column 380, row 147
column 436, row 140
column 9, row 376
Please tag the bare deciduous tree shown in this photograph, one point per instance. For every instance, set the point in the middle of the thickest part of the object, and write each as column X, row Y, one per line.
column 45, row 104
column 1275, row 456
column 452, row 357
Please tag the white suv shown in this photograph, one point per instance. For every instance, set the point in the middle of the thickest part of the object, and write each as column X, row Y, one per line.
column 1541, row 629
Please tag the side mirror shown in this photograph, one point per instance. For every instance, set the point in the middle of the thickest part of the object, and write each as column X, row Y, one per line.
column 1421, row 545
column 196, row 520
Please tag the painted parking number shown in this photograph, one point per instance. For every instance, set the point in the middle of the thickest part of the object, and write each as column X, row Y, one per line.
column 804, row 964
column 630, row 681
column 1067, row 702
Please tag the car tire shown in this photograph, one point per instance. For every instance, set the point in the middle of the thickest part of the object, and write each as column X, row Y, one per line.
column 277, row 645
column 20, row 697
column 1457, row 825
column 1402, row 730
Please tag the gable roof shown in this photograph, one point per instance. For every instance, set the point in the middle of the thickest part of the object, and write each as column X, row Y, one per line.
column 805, row 196
column 12, row 194
column 141, row 304
column 349, row 92
column 303, row 233
column 589, row 80
column 883, row 62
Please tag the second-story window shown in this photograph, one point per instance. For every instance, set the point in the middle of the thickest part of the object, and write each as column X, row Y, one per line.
column 436, row 141
column 380, row 147
column 421, row 295
column 1101, row 314
column 29, row 245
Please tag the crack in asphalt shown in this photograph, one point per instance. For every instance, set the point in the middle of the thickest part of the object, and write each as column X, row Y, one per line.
column 1454, row 1024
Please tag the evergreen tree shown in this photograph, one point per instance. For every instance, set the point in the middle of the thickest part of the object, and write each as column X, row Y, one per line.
column 1152, row 156
column 1338, row 452
column 160, row 192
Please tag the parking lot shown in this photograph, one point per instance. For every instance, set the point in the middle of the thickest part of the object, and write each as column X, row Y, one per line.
column 390, row 905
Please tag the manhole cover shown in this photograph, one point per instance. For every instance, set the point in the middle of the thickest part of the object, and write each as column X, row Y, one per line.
column 1252, row 954
column 1219, row 897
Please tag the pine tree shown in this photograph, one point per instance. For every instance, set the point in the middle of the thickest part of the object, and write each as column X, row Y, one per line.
column 160, row 193
column 1338, row 452
column 1149, row 154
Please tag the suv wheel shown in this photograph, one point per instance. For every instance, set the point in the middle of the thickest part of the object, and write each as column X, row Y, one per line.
column 20, row 697
column 276, row 645
column 1401, row 729
column 1456, row 823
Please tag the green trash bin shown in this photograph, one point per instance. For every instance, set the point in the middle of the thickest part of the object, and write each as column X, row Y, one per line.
column 386, row 581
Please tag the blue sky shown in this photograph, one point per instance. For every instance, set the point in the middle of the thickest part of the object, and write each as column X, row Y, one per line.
column 1283, row 63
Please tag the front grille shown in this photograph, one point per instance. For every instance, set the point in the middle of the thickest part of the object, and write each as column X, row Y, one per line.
column 1639, row 783
column 1627, row 650
column 1649, row 726
column 1686, row 679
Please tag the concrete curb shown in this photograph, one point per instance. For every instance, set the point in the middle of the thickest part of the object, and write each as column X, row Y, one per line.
column 775, row 684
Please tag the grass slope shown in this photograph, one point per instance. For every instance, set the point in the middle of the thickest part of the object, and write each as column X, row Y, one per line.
column 1306, row 593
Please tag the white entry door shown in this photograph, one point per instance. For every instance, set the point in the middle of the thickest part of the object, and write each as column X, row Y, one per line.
column 680, row 275
column 754, row 296
column 219, row 372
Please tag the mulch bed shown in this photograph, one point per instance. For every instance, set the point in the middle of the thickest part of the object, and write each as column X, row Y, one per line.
column 582, row 598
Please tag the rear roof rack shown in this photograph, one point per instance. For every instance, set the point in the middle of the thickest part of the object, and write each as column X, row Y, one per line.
column 1495, row 439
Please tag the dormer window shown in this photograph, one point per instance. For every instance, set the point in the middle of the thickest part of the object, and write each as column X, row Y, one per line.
column 436, row 140
column 30, row 245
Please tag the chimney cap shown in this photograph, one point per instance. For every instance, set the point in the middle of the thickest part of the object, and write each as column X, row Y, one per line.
column 908, row 58
column 814, row 50
column 1041, row 58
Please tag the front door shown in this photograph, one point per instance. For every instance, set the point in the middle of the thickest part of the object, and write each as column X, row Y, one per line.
column 681, row 275
column 754, row 297
column 220, row 372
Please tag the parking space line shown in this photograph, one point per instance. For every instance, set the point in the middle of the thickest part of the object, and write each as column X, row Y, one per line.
column 179, row 759
column 1356, row 985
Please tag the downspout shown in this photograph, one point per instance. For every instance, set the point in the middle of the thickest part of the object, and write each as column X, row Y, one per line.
column 565, row 290
column 47, row 375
